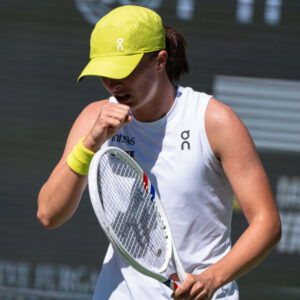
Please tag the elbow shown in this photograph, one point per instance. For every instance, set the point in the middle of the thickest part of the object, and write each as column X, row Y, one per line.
column 43, row 214
column 277, row 231
column 45, row 217
column 45, row 220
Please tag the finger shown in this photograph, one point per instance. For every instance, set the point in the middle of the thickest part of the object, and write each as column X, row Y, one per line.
column 128, row 119
column 116, row 106
column 196, row 290
column 185, row 286
column 205, row 294
column 118, row 115
column 114, row 123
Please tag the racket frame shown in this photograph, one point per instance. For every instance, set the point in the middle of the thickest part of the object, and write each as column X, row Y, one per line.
column 95, row 196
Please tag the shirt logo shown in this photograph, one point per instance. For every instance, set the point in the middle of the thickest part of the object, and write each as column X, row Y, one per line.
column 123, row 139
column 130, row 153
column 185, row 135
column 120, row 44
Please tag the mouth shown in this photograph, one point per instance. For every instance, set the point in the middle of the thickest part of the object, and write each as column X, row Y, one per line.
column 122, row 98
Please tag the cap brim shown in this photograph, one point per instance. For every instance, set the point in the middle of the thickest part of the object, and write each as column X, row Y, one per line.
column 115, row 67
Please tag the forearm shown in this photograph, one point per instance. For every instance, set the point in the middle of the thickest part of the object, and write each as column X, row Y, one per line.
column 250, row 249
column 60, row 196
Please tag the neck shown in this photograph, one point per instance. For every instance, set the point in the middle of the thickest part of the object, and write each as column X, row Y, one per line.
column 158, row 106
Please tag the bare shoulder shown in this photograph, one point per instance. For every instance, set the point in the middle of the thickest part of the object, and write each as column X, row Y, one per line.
column 218, row 113
column 92, row 110
column 88, row 115
column 224, row 128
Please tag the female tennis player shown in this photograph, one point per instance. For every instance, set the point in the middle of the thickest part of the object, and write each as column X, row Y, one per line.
column 195, row 150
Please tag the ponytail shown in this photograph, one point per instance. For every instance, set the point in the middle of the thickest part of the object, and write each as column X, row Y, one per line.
column 177, row 63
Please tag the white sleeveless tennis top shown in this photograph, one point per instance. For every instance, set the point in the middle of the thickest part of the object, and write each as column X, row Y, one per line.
column 175, row 153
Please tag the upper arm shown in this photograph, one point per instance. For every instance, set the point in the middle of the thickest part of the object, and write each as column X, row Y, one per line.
column 80, row 128
column 233, row 145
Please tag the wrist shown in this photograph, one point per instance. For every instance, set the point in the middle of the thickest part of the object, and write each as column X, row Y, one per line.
column 91, row 144
column 80, row 158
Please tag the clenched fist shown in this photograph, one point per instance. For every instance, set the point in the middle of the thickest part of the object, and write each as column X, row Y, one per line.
column 112, row 118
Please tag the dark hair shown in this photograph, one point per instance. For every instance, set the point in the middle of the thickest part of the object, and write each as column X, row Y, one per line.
column 177, row 63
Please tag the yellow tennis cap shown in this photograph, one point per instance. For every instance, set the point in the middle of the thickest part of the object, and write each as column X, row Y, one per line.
column 120, row 39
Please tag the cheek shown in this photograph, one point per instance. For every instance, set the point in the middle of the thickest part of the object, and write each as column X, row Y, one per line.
column 149, row 84
column 144, row 91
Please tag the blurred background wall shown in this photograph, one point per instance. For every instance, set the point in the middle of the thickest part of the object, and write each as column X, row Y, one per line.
column 245, row 52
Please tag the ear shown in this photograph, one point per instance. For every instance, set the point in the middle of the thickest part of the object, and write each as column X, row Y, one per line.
column 161, row 59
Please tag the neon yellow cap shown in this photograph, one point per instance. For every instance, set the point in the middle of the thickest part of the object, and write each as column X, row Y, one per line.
column 120, row 39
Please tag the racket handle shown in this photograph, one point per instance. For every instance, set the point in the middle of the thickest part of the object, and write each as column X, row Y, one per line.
column 173, row 285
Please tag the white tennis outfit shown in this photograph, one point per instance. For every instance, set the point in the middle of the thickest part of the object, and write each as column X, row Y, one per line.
column 175, row 153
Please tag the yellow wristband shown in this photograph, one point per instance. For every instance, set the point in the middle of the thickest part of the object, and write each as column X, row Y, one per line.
column 80, row 158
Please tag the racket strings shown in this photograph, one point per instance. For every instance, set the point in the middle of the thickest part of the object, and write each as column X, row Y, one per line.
column 131, row 212
column 140, row 211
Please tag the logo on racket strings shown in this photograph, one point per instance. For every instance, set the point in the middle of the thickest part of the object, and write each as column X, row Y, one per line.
column 146, row 186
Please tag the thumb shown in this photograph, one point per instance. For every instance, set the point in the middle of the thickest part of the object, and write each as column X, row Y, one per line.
column 128, row 119
column 174, row 277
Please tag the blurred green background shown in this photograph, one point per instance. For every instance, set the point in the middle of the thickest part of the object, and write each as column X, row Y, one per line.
column 43, row 47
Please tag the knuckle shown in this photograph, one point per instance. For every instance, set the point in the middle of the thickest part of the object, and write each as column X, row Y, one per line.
column 199, row 285
column 190, row 279
column 116, row 123
column 103, row 122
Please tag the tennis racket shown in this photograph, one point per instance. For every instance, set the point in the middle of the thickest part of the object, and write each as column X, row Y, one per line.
column 131, row 215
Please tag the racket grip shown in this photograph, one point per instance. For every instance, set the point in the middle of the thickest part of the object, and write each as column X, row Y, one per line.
column 173, row 285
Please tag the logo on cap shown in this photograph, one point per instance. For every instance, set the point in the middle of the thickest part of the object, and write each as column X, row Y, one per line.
column 120, row 44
